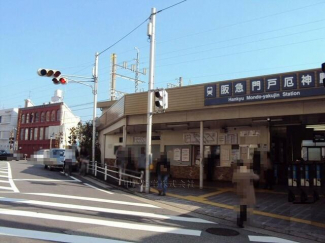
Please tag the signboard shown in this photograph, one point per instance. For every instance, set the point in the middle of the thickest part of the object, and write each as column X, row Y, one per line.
column 194, row 138
column 139, row 140
column 177, row 154
column 185, row 155
column 276, row 87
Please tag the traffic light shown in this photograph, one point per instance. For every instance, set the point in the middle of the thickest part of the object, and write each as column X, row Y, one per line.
column 57, row 79
column 74, row 139
column 48, row 73
column 161, row 100
column 11, row 140
column 70, row 140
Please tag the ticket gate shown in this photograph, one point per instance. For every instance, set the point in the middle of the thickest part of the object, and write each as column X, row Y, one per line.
column 292, row 182
column 305, row 182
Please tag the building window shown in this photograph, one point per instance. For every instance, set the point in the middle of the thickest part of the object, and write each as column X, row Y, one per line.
column 31, row 134
column 42, row 117
column 41, row 133
column 22, row 134
column 36, row 116
column 32, row 118
column 0, row 118
column 26, row 134
column 58, row 115
column 35, row 133
column 27, row 118
column 47, row 116
column 22, row 118
column 46, row 135
column 53, row 115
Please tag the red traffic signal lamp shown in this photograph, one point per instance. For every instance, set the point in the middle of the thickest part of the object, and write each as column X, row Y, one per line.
column 60, row 80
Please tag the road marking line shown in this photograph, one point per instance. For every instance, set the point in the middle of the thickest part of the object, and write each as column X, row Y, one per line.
column 12, row 184
column 44, row 180
column 4, row 176
column 75, row 179
column 95, row 200
column 269, row 239
column 5, row 188
column 5, row 171
column 98, row 188
column 41, row 235
column 1, row 181
column 109, row 223
column 106, row 210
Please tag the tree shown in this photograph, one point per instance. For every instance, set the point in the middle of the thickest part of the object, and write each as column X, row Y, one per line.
column 84, row 133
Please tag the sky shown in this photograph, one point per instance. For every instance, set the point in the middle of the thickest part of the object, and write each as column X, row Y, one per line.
column 199, row 40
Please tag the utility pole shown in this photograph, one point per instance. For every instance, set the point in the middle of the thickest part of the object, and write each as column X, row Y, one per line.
column 137, row 70
column 180, row 82
column 95, row 75
column 134, row 68
column 113, row 80
column 151, row 34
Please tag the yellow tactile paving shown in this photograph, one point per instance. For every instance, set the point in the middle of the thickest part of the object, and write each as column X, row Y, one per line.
column 204, row 200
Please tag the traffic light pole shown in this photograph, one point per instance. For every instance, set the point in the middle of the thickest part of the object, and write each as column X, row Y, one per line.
column 151, row 33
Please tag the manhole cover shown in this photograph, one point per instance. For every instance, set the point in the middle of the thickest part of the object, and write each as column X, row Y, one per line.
column 222, row 231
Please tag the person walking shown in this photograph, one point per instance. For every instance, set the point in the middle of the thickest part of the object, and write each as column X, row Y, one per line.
column 243, row 178
column 268, row 173
column 120, row 162
column 141, row 165
column 163, row 171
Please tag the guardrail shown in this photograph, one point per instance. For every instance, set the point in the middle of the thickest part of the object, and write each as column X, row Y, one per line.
column 121, row 175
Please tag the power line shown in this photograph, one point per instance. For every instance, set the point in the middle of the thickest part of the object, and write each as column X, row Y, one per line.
column 139, row 27
column 170, row 6
column 243, row 52
column 124, row 36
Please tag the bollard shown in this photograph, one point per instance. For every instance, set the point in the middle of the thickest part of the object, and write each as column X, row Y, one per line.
column 95, row 168
column 105, row 172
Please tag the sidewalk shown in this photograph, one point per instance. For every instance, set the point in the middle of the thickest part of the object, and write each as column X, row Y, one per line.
column 272, row 211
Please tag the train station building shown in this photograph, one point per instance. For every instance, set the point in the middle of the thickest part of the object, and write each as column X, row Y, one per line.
column 282, row 113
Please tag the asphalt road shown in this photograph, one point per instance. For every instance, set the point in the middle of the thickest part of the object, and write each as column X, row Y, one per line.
column 38, row 205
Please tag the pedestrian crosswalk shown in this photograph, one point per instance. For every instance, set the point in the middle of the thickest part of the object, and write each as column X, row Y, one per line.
column 52, row 209
column 6, row 182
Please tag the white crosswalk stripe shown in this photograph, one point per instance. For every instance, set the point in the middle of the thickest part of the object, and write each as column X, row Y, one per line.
column 105, row 210
column 6, row 177
column 95, row 199
column 110, row 223
column 39, row 235
column 269, row 239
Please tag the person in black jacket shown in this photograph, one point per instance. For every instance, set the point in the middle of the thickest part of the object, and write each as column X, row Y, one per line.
column 163, row 171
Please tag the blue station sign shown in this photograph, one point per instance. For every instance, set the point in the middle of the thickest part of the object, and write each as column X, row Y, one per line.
column 272, row 87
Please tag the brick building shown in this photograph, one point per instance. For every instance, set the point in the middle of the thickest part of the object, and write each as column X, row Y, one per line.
column 44, row 126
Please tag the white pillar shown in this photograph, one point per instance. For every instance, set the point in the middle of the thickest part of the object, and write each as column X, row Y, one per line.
column 151, row 33
column 201, row 155
column 105, row 172
column 124, row 136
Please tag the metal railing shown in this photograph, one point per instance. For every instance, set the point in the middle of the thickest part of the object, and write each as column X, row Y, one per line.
column 121, row 174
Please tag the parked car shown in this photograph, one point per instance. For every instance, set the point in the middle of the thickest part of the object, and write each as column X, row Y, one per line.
column 4, row 155
column 50, row 158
